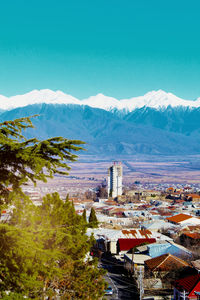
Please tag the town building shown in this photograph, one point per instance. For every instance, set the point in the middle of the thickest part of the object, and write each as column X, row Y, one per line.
column 115, row 180
column 187, row 288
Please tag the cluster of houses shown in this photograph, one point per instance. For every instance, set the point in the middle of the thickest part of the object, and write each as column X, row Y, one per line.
column 153, row 233
column 156, row 235
column 165, row 264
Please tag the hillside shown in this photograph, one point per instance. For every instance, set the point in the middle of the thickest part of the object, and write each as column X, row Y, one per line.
column 170, row 131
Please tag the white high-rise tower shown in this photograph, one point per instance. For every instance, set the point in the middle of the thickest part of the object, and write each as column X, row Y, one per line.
column 115, row 180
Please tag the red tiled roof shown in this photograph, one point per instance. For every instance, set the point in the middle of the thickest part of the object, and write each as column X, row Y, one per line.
column 165, row 262
column 187, row 283
column 179, row 218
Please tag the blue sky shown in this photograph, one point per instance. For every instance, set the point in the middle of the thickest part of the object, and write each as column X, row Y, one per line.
column 84, row 47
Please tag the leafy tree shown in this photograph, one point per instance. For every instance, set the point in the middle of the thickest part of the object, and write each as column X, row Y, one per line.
column 30, row 159
column 93, row 222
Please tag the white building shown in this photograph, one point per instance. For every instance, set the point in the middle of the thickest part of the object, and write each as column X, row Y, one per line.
column 115, row 180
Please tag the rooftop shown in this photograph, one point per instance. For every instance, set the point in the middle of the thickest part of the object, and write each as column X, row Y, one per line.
column 165, row 262
column 179, row 218
column 188, row 283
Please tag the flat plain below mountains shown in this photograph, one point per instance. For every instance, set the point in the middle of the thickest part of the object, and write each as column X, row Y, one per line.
column 90, row 171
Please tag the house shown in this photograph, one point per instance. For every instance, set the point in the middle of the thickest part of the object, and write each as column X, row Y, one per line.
column 133, row 262
column 121, row 241
column 161, row 265
column 136, row 237
column 164, row 247
column 119, row 212
column 157, row 225
column 170, row 190
column 187, row 189
column 196, row 265
column 191, row 238
column 127, row 244
column 187, row 288
column 183, row 219
column 193, row 197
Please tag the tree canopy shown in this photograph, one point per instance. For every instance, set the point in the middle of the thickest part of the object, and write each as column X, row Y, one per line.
column 93, row 222
column 44, row 249
column 84, row 216
column 30, row 159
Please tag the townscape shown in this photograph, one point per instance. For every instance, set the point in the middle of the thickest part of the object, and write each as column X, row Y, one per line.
column 146, row 239
column 99, row 150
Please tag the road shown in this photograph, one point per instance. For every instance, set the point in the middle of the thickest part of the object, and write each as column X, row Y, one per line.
column 123, row 287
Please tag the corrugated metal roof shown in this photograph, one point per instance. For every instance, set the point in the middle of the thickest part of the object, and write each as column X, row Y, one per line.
column 127, row 244
column 179, row 218
column 165, row 262
column 188, row 283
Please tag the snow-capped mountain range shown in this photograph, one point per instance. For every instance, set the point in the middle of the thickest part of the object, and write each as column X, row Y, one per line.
column 154, row 99
column 157, row 123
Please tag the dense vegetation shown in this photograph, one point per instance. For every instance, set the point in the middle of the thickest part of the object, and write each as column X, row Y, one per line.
column 44, row 249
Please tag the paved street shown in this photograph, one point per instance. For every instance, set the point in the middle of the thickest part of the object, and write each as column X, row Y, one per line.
column 123, row 287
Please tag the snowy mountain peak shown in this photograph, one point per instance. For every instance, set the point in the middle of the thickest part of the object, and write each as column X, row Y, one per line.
column 158, row 99
column 160, row 93
column 35, row 97
column 102, row 101
column 155, row 99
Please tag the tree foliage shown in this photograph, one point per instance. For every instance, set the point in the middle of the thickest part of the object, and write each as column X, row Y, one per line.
column 43, row 248
column 93, row 222
column 84, row 216
column 30, row 159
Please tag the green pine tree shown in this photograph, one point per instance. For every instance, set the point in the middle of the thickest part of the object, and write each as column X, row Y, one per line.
column 42, row 248
column 93, row 222
column 84, row 216
column 30, row 159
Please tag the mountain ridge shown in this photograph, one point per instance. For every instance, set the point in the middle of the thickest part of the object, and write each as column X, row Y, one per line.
column 173, row 131
column 154, row 99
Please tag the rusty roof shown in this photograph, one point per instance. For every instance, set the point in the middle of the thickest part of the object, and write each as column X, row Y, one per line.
column 179, row 218
column 165, row 262
column 193, row 235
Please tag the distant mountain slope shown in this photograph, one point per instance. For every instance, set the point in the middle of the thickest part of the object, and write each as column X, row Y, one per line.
column 145, row 130
column 183, row 120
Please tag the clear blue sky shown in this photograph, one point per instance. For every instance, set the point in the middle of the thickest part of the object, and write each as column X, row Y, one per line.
column 83, row 47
